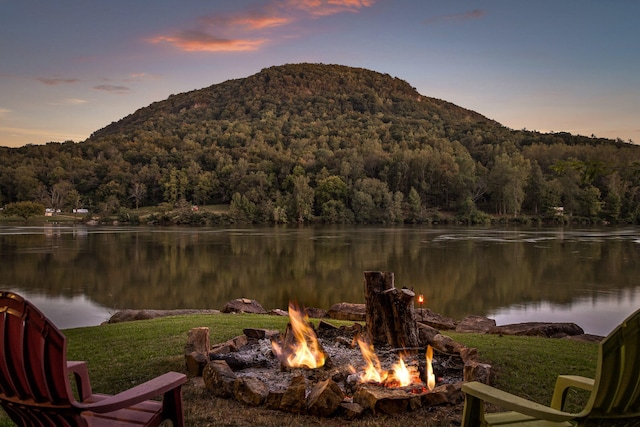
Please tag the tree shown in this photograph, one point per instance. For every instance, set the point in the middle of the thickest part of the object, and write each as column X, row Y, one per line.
column 23, row 209
column 507, row 180
column 302, row 198
column 242, row 209
column 415, row 206
column 137, row 192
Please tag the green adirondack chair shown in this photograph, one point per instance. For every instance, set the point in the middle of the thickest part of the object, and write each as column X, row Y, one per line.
column 614, row 398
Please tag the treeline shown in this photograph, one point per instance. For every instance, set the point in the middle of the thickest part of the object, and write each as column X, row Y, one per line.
column 325, row 143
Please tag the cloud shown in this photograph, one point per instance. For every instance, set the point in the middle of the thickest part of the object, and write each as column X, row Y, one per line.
column 138, row 77
column 329, row 7
column 249, row 30
column 113, row 89
column 199, row 41
column 4, row 112
column 56, row 81
column 457, row 17
column 70, row 101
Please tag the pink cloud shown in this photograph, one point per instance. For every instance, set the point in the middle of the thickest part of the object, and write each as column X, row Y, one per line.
column 248, row 30
column 198, row 41
column 329, row 7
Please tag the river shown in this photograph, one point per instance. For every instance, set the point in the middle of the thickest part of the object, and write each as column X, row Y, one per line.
column 80, row 275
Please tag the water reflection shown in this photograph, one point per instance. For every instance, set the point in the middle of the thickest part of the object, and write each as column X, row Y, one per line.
column 520, row 274
column 67, row 312
column 597, row 315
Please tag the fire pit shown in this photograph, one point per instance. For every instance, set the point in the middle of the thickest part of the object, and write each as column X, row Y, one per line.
column 328, row 370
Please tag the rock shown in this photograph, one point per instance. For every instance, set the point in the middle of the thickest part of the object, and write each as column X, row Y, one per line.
column 324, row 399
column 293, row 399
column 196, row 351
column 434, row 320
column 326, row 326
column 426, row 333
column 539, row 329
column 223, row 348
column 444, row 343
column 274, row 399
column 130, row 315
column 475, row 324
column 219, row 379
column 278, row 312
column 195, row 363
column 446, row 393
column 232, row 345
column 316, row 313
column 257, row 333
column 388, row 401
column 476, row 371
column 198, row 340
column 243, row 305
column 351, row 410
column 467, row 354
column 250, row 390
column 348, row 311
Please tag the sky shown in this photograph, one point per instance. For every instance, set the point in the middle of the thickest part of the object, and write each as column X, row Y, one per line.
column 71, row 67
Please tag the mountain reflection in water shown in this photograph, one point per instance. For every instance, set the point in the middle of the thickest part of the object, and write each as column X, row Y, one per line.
column 80, row 275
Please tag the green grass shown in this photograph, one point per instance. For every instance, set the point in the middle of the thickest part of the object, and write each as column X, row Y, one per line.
column 124, row 354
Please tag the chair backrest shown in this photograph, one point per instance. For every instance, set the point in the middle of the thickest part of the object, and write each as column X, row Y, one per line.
column 617, row 391
column 34, row 384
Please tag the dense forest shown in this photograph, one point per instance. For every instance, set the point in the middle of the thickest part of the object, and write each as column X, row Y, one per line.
column 305, row 143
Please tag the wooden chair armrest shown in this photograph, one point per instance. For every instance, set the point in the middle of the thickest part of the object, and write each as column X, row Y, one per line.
column 564, row 383
column 152, row 388
column 514, row 403
column 81, row 375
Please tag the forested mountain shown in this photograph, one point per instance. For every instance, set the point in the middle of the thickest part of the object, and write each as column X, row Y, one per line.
column 314, row 142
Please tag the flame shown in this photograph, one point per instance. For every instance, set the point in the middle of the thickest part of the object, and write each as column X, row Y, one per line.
column 403, row 375
column 305, row 350
column 431, row 378
column 420, row 299
column 400, row 375
column 373, row 371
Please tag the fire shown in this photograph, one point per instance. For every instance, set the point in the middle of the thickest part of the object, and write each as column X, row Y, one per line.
column 404, row 376
column 304, row 350
column 373, row 371
column 400, row 375
column 431, row 378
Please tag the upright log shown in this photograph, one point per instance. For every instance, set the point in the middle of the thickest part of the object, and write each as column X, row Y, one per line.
column 389, row 311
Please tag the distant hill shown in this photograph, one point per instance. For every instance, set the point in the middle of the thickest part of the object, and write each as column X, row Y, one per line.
column 330, row 93
column 326, row 143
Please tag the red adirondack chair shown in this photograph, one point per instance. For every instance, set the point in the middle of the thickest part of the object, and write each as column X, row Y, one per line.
column 35, row 387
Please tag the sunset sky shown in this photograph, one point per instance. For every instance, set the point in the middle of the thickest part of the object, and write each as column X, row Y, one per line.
column 71, row 67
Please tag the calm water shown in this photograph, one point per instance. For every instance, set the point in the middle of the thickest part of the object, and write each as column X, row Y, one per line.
column 80, row 275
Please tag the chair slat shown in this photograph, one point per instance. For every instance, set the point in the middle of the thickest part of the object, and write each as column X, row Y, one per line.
column 6, row 382
column 15, row 361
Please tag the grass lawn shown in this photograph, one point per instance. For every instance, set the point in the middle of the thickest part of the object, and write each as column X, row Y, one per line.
column 122, row 355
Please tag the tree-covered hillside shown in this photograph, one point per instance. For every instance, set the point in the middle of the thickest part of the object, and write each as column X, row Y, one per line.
column 313, row 142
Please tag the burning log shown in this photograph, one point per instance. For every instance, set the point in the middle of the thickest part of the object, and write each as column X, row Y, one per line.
column 390, row 316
